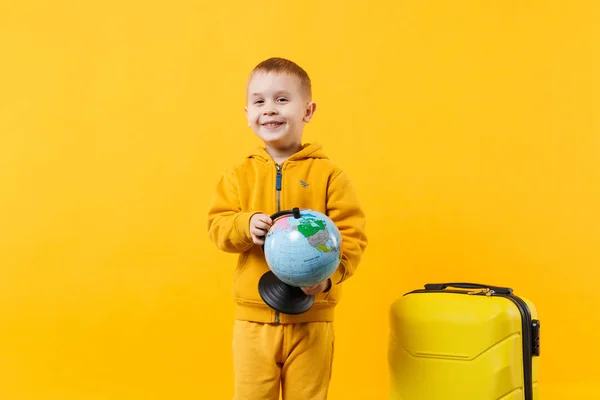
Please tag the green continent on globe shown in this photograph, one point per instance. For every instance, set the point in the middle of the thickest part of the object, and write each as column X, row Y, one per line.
column 316, row 233
column 310, row 226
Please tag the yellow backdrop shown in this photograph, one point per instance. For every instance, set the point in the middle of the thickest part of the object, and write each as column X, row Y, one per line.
column 470, row 129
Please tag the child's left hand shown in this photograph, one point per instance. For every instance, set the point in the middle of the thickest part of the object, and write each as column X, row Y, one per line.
column 318, row 288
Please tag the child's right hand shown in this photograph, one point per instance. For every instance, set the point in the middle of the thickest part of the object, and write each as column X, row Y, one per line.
column 259, row 226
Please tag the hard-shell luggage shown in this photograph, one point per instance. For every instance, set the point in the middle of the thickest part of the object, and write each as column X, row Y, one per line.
column 463, row 341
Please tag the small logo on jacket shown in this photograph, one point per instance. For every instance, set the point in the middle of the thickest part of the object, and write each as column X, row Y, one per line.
column 303, row 183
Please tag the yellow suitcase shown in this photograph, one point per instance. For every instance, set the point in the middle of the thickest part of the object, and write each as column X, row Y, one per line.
column 463, row 341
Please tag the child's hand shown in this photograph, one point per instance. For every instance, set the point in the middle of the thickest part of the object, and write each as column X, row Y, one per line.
column 318, row 288
column 259, row 226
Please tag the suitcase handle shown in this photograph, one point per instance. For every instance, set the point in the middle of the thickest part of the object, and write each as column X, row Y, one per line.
column 463, row 285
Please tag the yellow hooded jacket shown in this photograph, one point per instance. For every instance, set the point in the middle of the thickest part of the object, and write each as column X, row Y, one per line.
column 307, row 179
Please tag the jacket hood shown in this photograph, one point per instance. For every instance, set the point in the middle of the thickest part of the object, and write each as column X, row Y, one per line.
column 309, row 150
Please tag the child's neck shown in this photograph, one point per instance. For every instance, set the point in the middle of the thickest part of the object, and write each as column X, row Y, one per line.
column 279, row 155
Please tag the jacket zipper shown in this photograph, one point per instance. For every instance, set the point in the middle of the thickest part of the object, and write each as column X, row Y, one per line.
column 278, row 186
column 526, row 327
column 278, row 198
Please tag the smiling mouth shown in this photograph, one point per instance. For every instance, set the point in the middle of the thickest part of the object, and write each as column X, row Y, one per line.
column 272, row 124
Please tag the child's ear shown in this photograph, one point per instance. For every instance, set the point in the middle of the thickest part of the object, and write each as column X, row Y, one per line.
column 310, row 111
column 246, row 112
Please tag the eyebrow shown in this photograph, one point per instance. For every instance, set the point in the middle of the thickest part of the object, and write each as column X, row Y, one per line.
column 279, row 92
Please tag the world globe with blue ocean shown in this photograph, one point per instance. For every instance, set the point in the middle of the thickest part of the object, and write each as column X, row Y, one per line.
column 303, row 251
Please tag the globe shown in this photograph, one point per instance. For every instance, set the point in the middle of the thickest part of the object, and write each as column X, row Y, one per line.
column 303, row 248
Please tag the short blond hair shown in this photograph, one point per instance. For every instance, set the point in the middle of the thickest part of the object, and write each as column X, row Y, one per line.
column 282, row 65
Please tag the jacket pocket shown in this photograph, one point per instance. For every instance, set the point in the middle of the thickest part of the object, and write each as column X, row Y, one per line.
column 248, row 272
column 239, row 270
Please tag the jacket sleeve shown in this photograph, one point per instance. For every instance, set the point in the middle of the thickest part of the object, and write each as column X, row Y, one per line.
column 228, row 225
column 344, row 210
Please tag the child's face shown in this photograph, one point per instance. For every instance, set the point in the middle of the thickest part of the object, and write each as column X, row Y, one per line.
column 277, row 108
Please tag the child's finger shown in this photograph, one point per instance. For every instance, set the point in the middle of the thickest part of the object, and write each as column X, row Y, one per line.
column 264, row 218
column 261, row 225
column 258, row 239
column 310, row 289
column 258, row 231
column 267, row 222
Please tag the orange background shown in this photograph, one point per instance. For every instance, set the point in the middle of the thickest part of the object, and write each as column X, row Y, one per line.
column 470, row 129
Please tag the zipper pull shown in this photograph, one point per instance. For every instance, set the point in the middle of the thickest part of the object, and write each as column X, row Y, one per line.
column 487, row 292
column 278, row 180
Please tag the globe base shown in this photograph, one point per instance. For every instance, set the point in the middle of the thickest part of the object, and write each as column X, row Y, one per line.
column 282, row 297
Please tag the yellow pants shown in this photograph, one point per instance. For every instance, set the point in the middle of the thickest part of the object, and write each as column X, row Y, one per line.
column 295, row 357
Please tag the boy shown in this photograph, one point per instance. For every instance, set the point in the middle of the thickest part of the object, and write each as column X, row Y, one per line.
column 271, row 349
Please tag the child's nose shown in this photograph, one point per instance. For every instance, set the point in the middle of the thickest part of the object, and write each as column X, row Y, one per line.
column 270, row 111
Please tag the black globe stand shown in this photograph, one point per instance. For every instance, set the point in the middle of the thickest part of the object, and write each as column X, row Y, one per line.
column 282, row 297
column 277, row 294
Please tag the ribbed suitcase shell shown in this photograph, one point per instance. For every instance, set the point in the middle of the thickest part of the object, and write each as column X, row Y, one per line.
column 447, row 345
